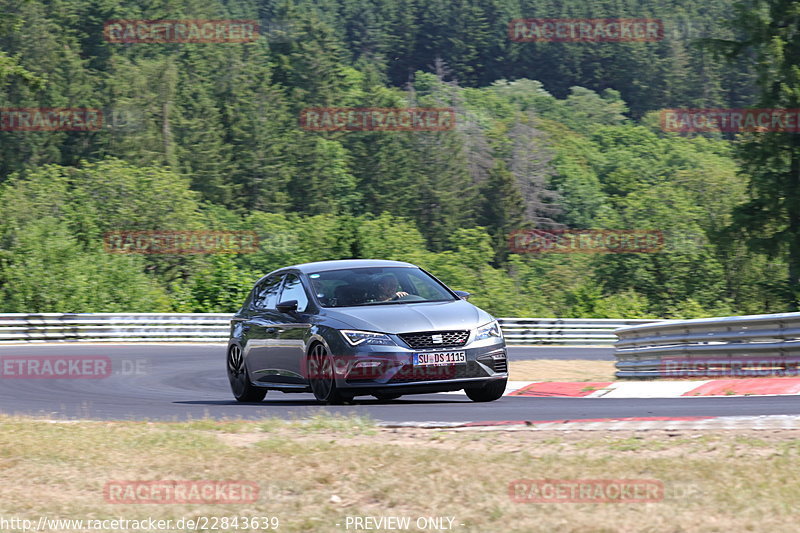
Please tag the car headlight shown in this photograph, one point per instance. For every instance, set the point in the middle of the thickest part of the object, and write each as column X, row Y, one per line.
column 366, row 337
column 487, row 331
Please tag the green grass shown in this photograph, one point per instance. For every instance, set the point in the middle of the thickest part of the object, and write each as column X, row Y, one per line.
column 313, row 473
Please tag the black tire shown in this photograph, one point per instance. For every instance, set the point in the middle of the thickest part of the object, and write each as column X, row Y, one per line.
column 387, row 397
column 321, row 378
column 242, row 389
column 488, row 393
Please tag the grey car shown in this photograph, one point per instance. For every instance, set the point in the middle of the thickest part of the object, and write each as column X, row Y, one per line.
column 342, row 329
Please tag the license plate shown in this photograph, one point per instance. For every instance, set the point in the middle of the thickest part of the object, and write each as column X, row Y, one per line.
column 439, row 358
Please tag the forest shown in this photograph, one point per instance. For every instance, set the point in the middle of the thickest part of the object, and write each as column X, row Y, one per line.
column 546, row 135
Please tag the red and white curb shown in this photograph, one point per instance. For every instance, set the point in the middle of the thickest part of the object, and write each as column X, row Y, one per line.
column 655, row 389
column 698, row 423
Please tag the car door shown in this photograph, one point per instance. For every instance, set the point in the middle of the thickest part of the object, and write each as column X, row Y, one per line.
column 289, row 349
column 261, row 327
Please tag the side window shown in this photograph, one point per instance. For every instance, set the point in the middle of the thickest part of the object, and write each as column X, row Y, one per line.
column 267, row 294
column 293, row 290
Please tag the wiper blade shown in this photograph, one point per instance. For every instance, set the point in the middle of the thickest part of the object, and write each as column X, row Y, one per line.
column 401, row 302
column 382, row 303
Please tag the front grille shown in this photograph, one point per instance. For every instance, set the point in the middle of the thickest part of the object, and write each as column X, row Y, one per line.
column 425, row 339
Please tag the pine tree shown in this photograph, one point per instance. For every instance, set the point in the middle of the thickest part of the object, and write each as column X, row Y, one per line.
column 771, row 218
column 502, row 208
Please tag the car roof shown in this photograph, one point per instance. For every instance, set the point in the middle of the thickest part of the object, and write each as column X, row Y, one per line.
column 321, row 266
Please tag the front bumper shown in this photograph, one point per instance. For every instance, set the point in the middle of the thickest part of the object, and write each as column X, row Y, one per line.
column 392, row 367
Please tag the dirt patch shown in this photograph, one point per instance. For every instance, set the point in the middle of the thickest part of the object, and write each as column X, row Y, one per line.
column 561, row 370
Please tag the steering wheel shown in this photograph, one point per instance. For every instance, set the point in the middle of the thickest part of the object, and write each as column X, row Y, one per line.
column 409, row 298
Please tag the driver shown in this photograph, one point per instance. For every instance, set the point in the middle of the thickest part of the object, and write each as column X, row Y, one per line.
column 387, row 289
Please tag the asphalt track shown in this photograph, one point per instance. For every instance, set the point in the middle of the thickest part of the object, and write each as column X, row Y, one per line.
column 180, row 382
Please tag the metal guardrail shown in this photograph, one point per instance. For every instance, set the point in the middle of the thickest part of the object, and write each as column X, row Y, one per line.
column 214, row 327
column 755, row 345
column 114, row 327
column 560, row 331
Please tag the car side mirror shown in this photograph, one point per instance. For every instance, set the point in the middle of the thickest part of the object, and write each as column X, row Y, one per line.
column 464, row 295
column 288, row 306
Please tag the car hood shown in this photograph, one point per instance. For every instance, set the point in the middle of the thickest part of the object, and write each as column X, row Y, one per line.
column 406, row 318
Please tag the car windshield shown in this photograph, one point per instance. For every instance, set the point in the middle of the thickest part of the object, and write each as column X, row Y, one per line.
column 376, row 286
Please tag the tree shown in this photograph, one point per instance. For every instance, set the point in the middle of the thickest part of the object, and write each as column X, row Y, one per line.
column 771, row 217
column 9, row 66
column 44, row 268
column 502, row 208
